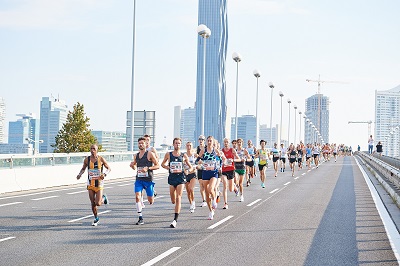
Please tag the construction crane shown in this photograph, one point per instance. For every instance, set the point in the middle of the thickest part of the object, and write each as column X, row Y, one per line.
column 319, row 81
column 363, row 122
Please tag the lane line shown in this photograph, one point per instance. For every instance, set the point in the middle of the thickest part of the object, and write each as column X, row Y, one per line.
column 221, row 222
column 88, row 216
column 303, row 173
column 273, row 191
column 287, row 183
column 297, row 177
column 254, row 202
column 7, row 238
column 124, row 185
column 76, row 192
column 12, row 203
column 161, row 256
column 49, row 197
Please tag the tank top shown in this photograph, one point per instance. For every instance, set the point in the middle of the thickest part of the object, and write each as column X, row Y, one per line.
column 263, row 157
column 292, row 155
column 210, row 161
column 228, row 165
column 95, row 169
column 250, row 150
column 175, row 165
column 240, row 165
column 275, row 153
column 141, row 163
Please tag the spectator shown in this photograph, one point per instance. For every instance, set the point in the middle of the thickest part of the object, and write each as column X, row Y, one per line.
column 379, row 149
column 370, row 144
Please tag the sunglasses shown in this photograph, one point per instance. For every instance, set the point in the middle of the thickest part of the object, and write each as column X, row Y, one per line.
column 202, row 139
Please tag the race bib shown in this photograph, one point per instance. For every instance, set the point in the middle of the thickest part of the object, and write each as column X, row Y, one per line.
column 263, row 157
column 276, row 155
column 209, row 165
column 94, row 174
column 228, row 162
column 175, row 167
column 142, row 174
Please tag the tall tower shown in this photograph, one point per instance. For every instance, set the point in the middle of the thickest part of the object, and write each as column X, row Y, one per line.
column 312, row 114
column 24, row 130
column 2, row 118
column 53, row 114
column 212, row 13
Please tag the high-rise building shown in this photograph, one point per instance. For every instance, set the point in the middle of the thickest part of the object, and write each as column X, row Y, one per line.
column 2, row 118
column 177, row 121
column 188, row 126
column 212, row 13
column 53, row 114
column 246, row 128
column 311, row 112
column 24, row 131
column 387, row 120
column 265, row 134
column 144, row 124
column 111, row 141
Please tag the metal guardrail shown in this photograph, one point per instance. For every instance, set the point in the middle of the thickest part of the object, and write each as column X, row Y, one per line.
column 386, row 166
column 10, row 161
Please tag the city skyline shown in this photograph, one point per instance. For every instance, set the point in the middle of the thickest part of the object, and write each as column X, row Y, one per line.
column 57, row 48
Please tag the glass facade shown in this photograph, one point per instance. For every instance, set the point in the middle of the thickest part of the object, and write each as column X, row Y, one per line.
column 2, row 118
column 144, row 123
column 212, row 13
column 312, row 114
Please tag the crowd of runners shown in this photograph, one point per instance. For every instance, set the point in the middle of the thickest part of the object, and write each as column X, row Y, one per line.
column 235, row 165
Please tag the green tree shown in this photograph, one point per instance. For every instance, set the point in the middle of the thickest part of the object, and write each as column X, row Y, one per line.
column 75, row 135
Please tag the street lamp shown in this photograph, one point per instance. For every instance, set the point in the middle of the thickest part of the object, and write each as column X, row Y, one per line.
column 237, row 58
column 300, row 126
column 271, row 85
column 280, row 126
column 34, row 141
column 204, row 32
column 133, row 75
column 288, row 130
column 257, row 74
column 295, row 124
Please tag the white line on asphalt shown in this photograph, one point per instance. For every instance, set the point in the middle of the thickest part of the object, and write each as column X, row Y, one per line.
column 7, row 238
column 108, row 187
column 160, row 257
column 12, row 203
column 286, row 183
column 88, row 216
column 49, row 197
column 220, row 222
column 308, row 171
column 297, row 177
column 273, row 191
column 303, row 173
column 254, row 202
column 124, row 185
column 76, row 192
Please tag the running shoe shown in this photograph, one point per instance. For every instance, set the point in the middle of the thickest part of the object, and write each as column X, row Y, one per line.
column 241, row 198
column 236, row 191
column 204, row 204
column 105, row 199
column 191, row 209
column 193, row 205
column 262, row 185
column 211, row 215
column 214, row 204
column 225, row 206
column 173, row 224
column 140, row 221
column 96, row 221
column 155, row 193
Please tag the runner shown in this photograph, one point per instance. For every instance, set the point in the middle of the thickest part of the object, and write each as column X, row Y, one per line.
column 316, row 151
column 228, row 171
column 250, row 169
column 283, row 157
column 240, row 167
column 208, row 160
column 201, row 146
column 146, row 163
column 309, row 155
column 335, row 151
column 173, row 162
column 276, row 154
column 262, row 155
column 292, row 157
column 299, row 156
column 190, row 176
column 95, row 182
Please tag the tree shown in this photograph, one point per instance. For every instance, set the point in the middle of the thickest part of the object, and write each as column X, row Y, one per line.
column 75, row 135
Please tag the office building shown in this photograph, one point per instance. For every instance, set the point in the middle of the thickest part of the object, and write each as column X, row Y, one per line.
column 12, row 148
column 270, row 136
column 387, row 121
column 246, row 128
column 24, row 131
column 314, row 104
column 111, row 141
column 212, row 13
column 144, row 124
column 53, row 114
column 177, row 122
column 188, row 126
column 2, row 118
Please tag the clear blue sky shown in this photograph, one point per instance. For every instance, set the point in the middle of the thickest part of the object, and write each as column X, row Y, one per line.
column 81, row 51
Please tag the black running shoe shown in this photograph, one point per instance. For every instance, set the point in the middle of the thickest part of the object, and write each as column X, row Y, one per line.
column 140, row 221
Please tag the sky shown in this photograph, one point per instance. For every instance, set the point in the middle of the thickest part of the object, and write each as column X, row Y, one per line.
column 81, row 51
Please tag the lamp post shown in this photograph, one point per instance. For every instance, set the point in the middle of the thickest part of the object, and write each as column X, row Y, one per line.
column 295, row 124
column 271, row 85
column 237, row 58
column 257, row 74
column 300, row 126
column 133, row 74
column 34, row 141
column 288, row 130
column 280, row 126
column 204, row 32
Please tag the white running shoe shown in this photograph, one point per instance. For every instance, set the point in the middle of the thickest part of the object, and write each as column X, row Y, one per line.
column 225, row 206
column 193, row 205
column 211, row 215
column 204, row 204
column 241, row 198
column 173, row 224
column 214, row 204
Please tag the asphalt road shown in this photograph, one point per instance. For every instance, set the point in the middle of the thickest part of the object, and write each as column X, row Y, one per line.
column 324, row 216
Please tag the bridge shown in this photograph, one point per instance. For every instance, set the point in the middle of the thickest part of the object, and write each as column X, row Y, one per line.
column 338, row 214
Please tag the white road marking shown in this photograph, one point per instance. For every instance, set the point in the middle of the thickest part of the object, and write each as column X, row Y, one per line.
column 303, row 173
column 297, row 177
column 49, row 197
column 124, row 185
column 160, row 257
column 12, row 203
column 286, row 183
column 273, row 191
column 7, row 238
column 76, row 192
column 220, row 222
column 88, row 216
column 254, row 202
